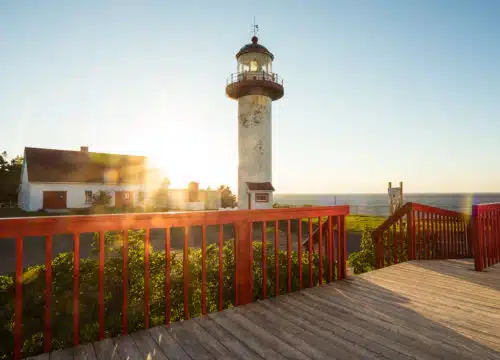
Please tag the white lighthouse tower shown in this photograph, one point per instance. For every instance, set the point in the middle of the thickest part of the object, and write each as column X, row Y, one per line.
column 255, row 87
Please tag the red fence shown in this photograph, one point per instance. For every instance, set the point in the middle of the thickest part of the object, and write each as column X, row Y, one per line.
column 486, row 234
column 251, row 275
column 417, row 232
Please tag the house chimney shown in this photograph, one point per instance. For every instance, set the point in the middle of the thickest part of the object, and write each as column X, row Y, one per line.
column 193, row 186
column 193, row 191
column 84, row 149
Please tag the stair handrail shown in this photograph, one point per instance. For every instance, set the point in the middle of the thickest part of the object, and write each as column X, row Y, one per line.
column 391, row 220
column 435, row 222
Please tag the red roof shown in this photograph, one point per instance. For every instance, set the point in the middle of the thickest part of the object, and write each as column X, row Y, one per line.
column 262, row 186
column 49, row 165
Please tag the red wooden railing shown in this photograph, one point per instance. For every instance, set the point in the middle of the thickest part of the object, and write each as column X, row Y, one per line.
column 421, row 232
column 486, row 235
column 242, row 223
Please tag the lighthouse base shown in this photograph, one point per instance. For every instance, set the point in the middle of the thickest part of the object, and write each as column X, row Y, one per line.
column 259, row 196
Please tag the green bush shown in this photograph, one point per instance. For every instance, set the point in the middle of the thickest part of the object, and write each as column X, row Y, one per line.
column 62, row 290
column 364, row 260
column 395, row 243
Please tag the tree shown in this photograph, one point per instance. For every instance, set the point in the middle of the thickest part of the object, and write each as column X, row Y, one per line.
column 100, row 202
column 228, row 199
column 10, row 177
column 101, row 198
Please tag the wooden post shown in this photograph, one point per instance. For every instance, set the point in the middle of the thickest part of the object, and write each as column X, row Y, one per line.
column 390, row 198
column 379, row 250
column 477, row 239
column 410, row 219
column 243, row 258
column 401, row 192
column 342, row 247
column 470, row 236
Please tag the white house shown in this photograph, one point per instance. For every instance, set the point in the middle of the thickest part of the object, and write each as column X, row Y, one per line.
column 60, row 179
column 193, row 198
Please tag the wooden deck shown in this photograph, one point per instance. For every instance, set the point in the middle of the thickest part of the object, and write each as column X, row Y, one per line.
column 415, row 310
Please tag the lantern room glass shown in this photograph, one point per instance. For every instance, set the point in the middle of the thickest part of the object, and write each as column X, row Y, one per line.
column 254, row 62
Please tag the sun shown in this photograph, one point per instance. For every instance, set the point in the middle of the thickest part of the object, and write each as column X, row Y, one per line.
column 186, row 165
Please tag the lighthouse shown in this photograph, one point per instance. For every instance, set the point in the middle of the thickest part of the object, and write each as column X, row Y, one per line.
column 255, row 87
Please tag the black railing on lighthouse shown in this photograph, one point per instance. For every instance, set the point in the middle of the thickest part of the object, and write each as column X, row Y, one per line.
column 252, row 75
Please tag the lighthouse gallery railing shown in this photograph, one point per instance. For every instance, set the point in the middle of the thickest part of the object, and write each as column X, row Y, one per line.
column 253, row 75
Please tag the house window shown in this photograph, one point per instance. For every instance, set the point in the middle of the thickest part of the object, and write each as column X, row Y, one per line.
column 141, row 196
column 262, row 197
column 126, row 196
column 88, row 196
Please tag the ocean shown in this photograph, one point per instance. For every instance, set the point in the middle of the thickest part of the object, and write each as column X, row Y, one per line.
column 378, row 204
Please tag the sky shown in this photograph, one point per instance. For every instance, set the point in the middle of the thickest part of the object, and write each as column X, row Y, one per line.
column 375, row 91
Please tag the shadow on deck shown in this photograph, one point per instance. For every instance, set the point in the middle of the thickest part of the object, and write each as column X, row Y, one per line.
column 437, row 309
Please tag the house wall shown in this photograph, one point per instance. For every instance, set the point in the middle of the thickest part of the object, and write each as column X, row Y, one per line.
column 178, row 199
column 213, row 200
column 194, row 206
column 76, row 193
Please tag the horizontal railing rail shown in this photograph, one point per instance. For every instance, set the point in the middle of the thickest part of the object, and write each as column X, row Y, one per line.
column 232, row 262
column 418, row 232
column 486, row 235
column 254, row 75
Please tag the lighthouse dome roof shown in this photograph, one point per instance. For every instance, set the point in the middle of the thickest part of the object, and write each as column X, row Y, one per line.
column 254, row 47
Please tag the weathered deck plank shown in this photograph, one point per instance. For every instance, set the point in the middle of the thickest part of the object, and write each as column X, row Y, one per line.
column 167, row 343
column 285, row 330
column 231, row 342
column 106, row 350
column 188, row 342
column 415, row 310
column 84, row 352
column 206, row 340
column 148, row 348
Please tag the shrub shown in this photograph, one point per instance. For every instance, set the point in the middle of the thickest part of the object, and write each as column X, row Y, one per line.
column 364, row 260
column 62, row 290
column 102, row 198
column 283, row 206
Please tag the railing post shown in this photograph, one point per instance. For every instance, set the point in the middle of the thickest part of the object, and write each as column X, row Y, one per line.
column 470, row 235
column 342, row 247
column 379, row 250
column 410, row 219
column 477, row 240
column 243, row 259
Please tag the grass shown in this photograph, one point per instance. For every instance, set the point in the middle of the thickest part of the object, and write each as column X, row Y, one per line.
column 357, row 223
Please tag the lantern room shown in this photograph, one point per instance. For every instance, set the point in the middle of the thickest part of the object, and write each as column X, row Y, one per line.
column 254, row 58
column 254, row 75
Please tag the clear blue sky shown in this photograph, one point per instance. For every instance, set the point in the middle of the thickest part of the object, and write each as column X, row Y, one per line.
column 375, row 91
